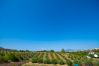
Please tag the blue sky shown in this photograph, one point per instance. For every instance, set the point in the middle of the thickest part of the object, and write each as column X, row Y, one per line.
column 49, row 24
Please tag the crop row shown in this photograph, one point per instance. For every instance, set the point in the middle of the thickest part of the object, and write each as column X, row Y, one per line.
column 48, row 57
column 62, row 58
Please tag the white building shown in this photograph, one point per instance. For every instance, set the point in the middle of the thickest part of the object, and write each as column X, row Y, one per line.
column 91, row 52
column 95, row 55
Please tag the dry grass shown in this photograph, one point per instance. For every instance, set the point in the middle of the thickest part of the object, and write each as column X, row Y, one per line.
column 37, row 64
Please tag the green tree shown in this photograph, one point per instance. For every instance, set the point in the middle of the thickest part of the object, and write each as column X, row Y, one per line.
column 62, row 50
column 52, row 51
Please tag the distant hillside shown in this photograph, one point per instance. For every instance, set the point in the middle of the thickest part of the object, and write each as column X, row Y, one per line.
column 13, row 50
column 67, row 50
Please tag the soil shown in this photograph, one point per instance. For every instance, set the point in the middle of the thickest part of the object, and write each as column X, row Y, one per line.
column 37, row 64
column 12, row 64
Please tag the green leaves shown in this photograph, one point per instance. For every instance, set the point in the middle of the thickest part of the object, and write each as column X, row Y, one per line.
column 52, row 57
column 62, row 50
column 14, row 56
column 69, row 63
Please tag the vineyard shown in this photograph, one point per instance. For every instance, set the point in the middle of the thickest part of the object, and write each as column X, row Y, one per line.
column 48, row 57
column 63, row 58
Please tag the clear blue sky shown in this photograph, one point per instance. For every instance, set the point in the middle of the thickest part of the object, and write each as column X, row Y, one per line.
column 49, row 24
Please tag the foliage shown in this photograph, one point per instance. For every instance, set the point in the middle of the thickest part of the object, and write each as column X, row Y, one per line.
column 70, row 58
column 69, row 63
column 62, row 50
column 7, row 55
column 52, row 51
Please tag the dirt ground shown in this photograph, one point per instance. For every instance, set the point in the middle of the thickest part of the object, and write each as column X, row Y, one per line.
column 12, row 64
column 37, row 64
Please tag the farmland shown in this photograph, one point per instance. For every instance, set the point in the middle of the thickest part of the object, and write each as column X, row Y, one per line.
column 46, row 58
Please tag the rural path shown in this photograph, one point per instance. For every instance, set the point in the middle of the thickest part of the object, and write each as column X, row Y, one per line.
column 37, row 64
column 12, row 64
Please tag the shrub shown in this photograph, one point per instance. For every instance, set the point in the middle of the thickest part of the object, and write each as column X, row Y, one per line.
column 54, row 61
column 2, row 59
column 40, row 60
column 34, row 59
column 61, row 62
column 6, row 58
column 48, row 61
column 88, row 62
column 12, row 57
column 69, row 63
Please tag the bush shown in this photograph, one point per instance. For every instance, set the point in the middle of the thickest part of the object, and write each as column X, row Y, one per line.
column 91, row 55
column 69, row 63
column 40, row 60
column 97, row 63
column 88, row 62
column 54, row 61
column 6, row 58
column 61, row 62
column 34, row 59
column 2, row 59
column 48, row 61
column 13, row 58
column 77, row 61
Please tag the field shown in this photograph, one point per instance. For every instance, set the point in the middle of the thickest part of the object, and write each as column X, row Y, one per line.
column 46, row 58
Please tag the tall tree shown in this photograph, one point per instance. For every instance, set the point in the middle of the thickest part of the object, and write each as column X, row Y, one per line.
column 62, row 50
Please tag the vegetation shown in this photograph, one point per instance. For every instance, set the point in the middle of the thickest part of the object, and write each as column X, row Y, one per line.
column 62, row 50
column 7, row 55
column 48, row 57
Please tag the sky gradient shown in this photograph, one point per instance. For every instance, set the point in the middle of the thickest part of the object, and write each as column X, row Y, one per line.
column 49, row 24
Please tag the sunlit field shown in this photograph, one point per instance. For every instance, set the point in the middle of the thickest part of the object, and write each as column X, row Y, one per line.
column 48, row 58
column 49, row 32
